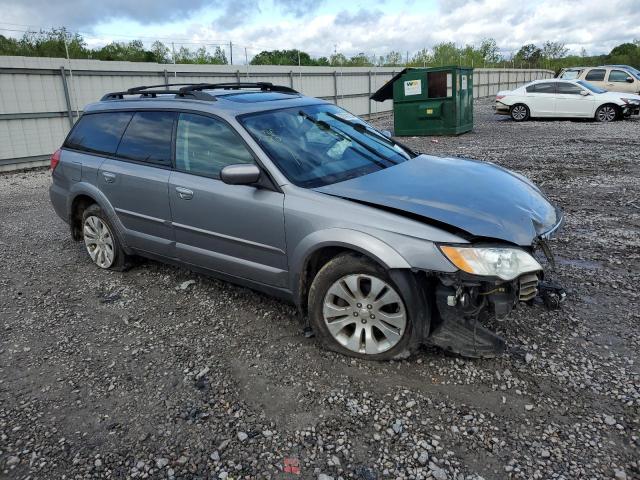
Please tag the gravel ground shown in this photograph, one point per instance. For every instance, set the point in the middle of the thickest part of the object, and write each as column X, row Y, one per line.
column 111, row 375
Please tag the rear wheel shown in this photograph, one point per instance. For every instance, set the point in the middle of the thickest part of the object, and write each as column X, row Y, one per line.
column 356, row 309
column 100, row 241
column 606, row 113
column 519, row 112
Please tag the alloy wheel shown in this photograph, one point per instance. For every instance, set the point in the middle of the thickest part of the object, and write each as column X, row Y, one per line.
column 99, row 241
column 607, row 114
column 519, row 112
column 364, row 314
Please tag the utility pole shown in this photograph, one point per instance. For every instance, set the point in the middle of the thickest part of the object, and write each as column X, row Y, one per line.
column 175, row 70
column 407, row 61
column 230, row 53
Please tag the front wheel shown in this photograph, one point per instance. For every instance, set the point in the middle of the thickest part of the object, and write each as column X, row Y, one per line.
column 356, row 309
column 606, row 113
column 519, row 112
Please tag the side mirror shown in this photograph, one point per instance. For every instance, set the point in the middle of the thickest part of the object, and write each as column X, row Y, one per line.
column 386, row 133
column 240, row 174
column 584, row 93
column 629, row 80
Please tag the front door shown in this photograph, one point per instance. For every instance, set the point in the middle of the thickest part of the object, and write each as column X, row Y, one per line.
column 621, row 81
column 136, row 183
column 572, row 102
column 237, row 230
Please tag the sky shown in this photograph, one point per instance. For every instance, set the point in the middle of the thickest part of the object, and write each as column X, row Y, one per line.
column 321, row 27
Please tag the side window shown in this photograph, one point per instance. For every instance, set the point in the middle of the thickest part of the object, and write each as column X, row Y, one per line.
column 618, row 76
column 148, row 138
column 595, row 75
column 204, row 146
column 568, row 88
column 544, row 87
column 98, row 132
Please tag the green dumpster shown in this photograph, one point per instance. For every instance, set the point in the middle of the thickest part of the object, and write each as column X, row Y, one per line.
column 430, row 101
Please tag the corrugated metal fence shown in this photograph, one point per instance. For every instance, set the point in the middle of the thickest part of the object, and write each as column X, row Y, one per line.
column 40, row 98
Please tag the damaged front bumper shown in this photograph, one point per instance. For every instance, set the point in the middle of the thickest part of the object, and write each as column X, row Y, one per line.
column 465, row 302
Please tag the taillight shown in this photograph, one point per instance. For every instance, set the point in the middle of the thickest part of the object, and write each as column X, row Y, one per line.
column 499, row 97
column 55, row 159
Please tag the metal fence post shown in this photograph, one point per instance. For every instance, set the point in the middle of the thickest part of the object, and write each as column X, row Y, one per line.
column 166, row 77
column 291, row 78
column 66, row 95
column 335, row 87
column 238, row 76
column 369, row 97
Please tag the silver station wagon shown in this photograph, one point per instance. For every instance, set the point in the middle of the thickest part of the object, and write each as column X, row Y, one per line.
column 380, row 248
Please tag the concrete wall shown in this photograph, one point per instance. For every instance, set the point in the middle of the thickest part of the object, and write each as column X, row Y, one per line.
column 40, row 98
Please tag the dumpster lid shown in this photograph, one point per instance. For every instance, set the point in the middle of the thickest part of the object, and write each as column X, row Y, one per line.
column 385, row 92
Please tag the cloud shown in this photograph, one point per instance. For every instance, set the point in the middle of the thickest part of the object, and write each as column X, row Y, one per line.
column 298, row 8
column 359, row 17
column 87, row 13
column 236, row 13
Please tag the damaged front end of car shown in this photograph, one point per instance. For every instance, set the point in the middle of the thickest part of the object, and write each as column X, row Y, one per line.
column 491, row 281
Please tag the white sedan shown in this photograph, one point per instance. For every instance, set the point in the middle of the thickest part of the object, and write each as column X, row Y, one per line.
column 565, row 99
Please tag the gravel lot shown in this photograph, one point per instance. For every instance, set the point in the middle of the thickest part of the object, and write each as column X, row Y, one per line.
column 111, row 375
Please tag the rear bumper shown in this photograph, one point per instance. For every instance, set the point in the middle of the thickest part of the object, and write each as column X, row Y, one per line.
column 58, row 198
column 501, row 109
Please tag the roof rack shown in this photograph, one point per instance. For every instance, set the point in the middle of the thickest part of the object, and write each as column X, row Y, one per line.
column 194, row 90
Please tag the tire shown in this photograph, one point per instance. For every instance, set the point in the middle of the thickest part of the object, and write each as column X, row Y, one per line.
column 519, row 112
column 606, row 113
column 344, row 320
column 101, row 243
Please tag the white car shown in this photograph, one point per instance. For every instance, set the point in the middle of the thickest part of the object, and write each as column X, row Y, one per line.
column 565, row 99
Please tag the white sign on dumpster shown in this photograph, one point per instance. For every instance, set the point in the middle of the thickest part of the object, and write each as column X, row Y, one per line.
column 412, row 87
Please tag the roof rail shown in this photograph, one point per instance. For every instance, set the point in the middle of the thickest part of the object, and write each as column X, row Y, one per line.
column 194, row 90
column 264, row 86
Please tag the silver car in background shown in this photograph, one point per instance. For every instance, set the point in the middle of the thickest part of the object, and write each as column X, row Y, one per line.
column 380, row 248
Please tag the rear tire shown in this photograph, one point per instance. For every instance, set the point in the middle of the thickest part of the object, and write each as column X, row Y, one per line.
column 101, row 242
column 356, row 309
column 607, row 113
column 519, row 112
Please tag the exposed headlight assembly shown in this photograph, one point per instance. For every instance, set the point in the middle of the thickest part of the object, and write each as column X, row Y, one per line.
column 505, row 263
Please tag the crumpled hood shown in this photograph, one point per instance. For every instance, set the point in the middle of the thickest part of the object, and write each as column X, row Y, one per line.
column 480, row 198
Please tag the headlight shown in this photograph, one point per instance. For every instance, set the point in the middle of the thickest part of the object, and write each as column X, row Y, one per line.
column 505, row 263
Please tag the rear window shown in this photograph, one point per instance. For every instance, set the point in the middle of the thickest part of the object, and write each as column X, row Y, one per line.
column 545, row 87
column 98, row 132
column 148, row 138
column 595, row 75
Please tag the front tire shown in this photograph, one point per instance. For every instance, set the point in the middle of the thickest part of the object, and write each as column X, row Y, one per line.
column 101, row 243
column 519, row 112
column 356, row 309
column 606, row 113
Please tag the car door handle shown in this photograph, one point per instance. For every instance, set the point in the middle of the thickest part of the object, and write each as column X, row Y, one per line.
column 184, row 193
column 109, row 177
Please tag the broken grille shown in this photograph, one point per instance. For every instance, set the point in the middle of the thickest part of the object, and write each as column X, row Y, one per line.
column 528, row 287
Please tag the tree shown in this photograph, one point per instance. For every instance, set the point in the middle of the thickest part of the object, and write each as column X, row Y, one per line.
column 529, row 54
column 446, row 53
column 421, row 59
column 393, row 59
column 282, row 57
column 160, row 52
column 338, row 59
column 489, row 51
column 554, row 50
column 360, row 60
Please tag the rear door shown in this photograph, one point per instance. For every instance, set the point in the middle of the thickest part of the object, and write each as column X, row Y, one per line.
column 570, row 102
column 233, row 229
column 596, row 76
column 136, row 182
column 621, row 81
column 541, row 99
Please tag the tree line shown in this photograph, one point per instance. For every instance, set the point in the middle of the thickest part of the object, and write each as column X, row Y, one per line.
column 59, row 42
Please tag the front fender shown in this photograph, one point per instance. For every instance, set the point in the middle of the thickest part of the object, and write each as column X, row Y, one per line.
column 361, row 242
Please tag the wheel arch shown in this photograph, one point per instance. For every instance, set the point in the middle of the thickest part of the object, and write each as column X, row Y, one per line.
column 318, row 248
column 618, row 109
column 81, row 196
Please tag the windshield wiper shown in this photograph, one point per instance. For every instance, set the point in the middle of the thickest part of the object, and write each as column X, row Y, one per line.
column 361, row 128
column 326, row 126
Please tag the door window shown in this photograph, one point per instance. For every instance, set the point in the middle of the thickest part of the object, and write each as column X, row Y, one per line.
column 569, row 88
column 148, row 138
column 98, row 132
column 619, row 76
column 595, row 75
column 544, row 87
column 205, row 145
